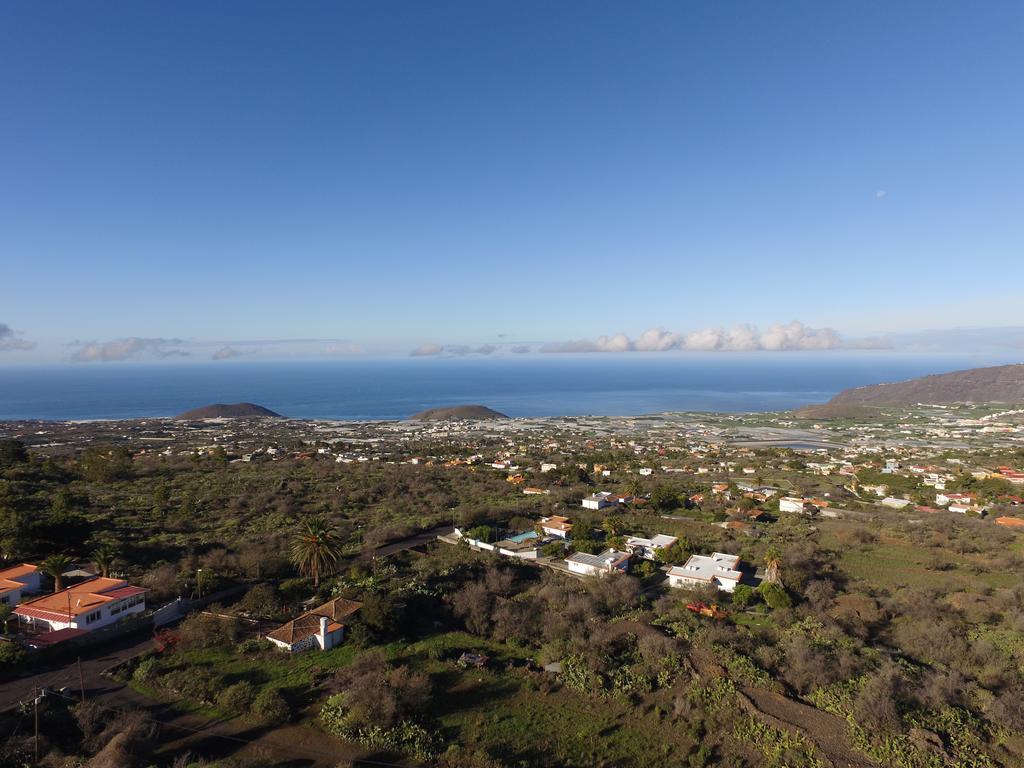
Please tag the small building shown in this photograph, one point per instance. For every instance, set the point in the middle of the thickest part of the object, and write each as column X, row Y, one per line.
column 719, row 570
column 791, row 504
column 647, row 548
column 599, row 500
column 17, row 581
column 609, row 561
column 645, row 471
column 87, row 605
column 548, row 467
column 320, row 628
column 556, row 525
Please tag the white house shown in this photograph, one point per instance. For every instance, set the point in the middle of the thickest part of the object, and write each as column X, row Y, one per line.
column 556, row 525
column 942, row 499
column 719, row 570
column 598, row 500
column 87, row 605
column 609, row 561
column 791, row 504
column 18, row 581
column 548, row 467
column 645, row 471
column 321, row 628
column 645, row 548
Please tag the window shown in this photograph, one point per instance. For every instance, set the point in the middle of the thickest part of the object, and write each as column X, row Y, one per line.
column 94, row 616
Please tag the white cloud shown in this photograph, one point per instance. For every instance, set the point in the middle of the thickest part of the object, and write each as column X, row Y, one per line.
column 789, row 336
column 123, row 349
column 9, row 341
column 225, row 353
column 881, row 193
column 427, row 350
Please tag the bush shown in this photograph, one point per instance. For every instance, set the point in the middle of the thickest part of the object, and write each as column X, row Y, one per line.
column 553, row 549
column 743, row 595
column 774, row 595
column 269, row 705
column 147, row 671
column 237, row 698
column 205, row 631
column 10, row 655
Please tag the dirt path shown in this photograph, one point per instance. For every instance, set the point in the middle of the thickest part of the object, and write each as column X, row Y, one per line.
column 829, row 733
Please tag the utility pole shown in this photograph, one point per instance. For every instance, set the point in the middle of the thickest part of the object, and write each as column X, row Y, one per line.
column 35, row 710
column 81, row 679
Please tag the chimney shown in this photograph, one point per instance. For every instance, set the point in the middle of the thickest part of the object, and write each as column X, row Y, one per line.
column 323, row 630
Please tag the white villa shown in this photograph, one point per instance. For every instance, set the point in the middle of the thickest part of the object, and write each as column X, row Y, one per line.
column 645, row 548
column 598, row 500
column 608, row 561
column 719, row 570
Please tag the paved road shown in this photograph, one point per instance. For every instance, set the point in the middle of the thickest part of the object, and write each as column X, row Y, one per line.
column 413, row 541
column 65, row 673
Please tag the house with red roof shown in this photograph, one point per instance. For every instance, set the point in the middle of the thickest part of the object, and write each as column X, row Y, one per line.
column 88, row 605
column 321, row 628
column 17, row 581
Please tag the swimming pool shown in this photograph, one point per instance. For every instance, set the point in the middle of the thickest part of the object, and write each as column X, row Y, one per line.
column 520, row 537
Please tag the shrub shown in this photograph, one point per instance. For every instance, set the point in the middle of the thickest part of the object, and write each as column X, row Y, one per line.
column 238, row 697
column 269, row 705
column 147, row 671
column 743, row 595
column 10, row 655
column 774, row 595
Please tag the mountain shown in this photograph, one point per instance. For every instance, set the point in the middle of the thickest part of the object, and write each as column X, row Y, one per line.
column 229, row 411
column 998, row 384
column 457, row 412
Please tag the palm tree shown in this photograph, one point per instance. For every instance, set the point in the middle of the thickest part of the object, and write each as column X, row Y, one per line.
column 772, row 561
column 315, row 548
column 613, row 526
column 634, row 487
column 54, row 567
column 104, row 556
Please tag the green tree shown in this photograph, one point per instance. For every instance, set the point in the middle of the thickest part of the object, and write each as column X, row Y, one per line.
column 634, row 487
column 12, row 452
column 315, row 548
column 54, row 567
column 664, row 498
column 104, row 464
column 774, row 595
column 614, row 526
column 104, row 556
column 743, row 595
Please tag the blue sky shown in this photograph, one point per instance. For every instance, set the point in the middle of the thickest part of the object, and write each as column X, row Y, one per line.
column 390, row 176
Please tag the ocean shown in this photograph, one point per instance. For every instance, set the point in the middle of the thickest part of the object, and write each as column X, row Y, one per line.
column 555, row 385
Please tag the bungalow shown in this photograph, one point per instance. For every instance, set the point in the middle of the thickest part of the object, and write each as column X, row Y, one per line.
column 87, row 605
column 17, row 581
column 645, row 471
column 556, row 525
column 598, row 500
column 548, row 467
column 647, row 548
column 719, row 570
column 791, row 504
column 320, row 628
column 609, row 561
